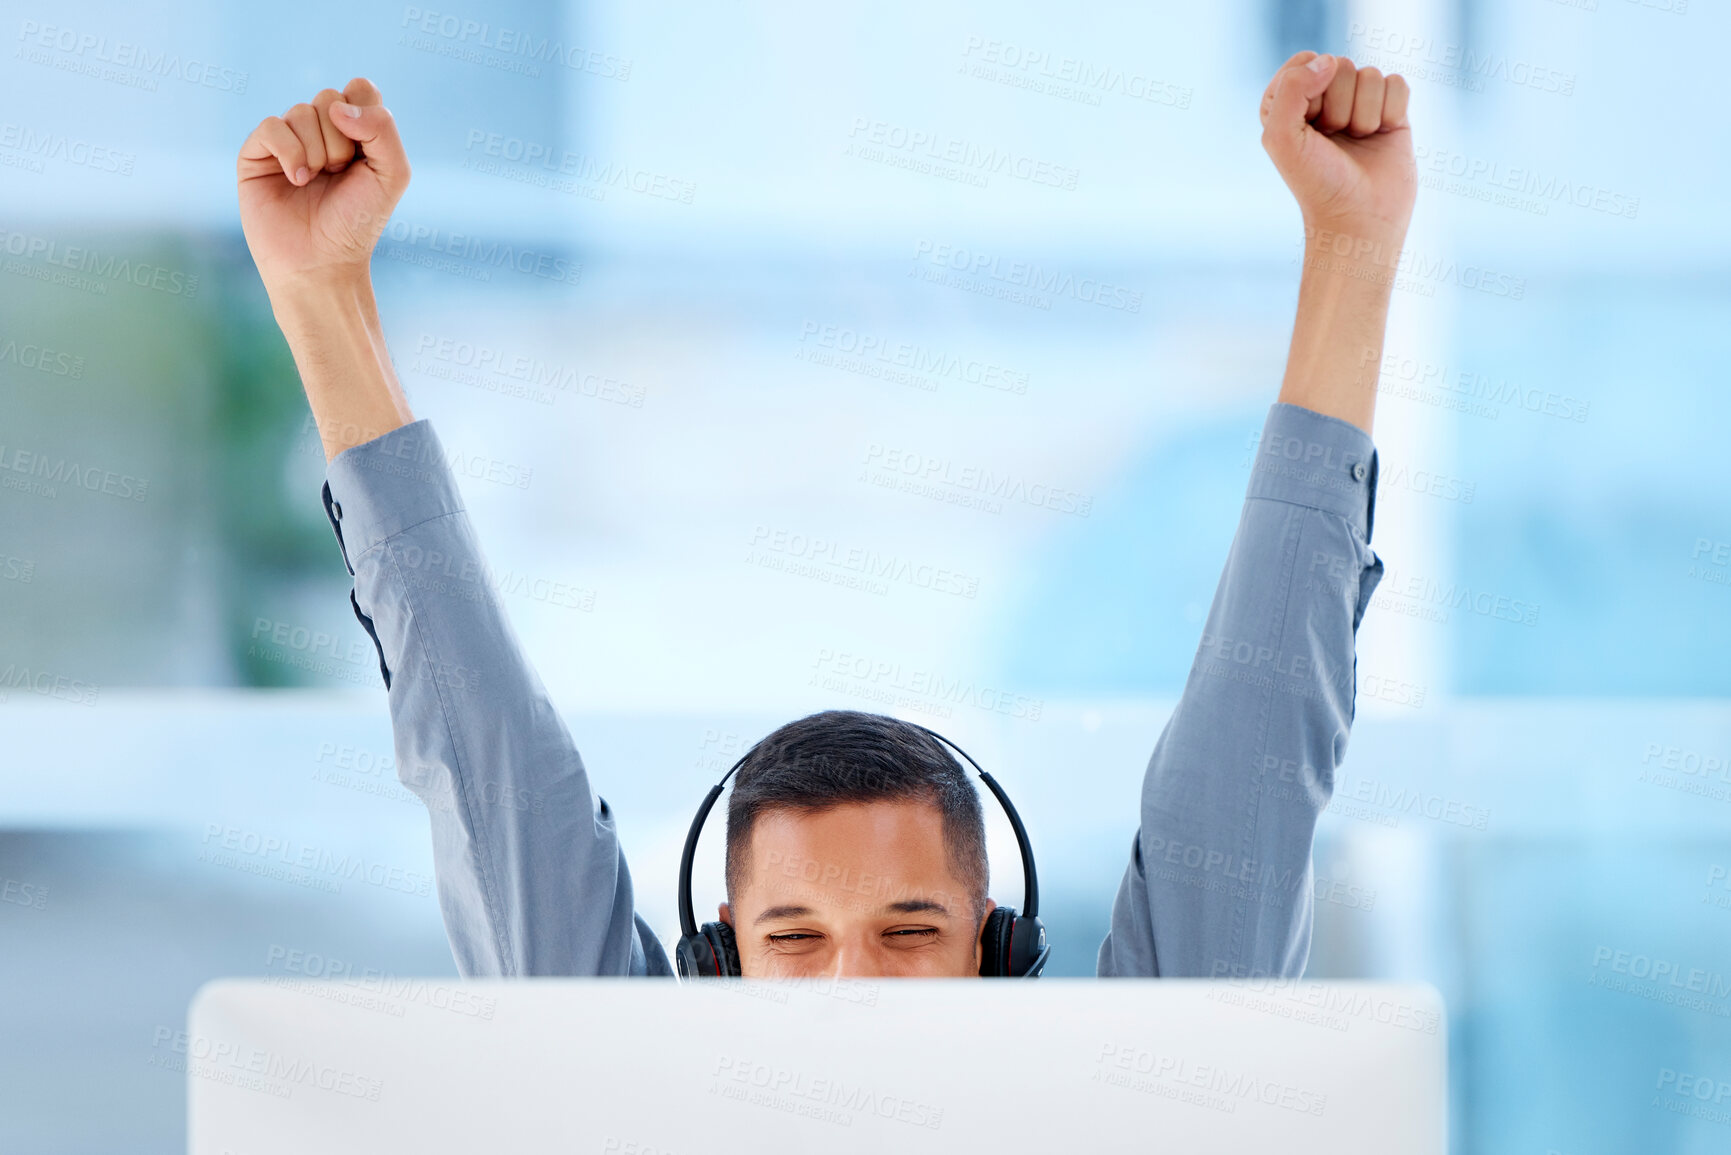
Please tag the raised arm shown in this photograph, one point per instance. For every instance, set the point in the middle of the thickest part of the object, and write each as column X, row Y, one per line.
column 1219, row 880
column 531, row 877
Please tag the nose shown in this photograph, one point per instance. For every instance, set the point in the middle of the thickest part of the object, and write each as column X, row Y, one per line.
column 854, row 959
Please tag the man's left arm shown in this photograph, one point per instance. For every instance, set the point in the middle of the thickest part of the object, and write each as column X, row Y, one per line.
column 1219, row 880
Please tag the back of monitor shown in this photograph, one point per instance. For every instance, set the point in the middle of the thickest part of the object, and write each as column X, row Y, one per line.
column 643, row 1067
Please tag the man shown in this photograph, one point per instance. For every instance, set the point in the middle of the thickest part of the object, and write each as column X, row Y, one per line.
column 531, row 877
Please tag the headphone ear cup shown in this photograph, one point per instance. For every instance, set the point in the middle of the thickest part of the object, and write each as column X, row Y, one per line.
column 995, row 938
column 1027, row 948
column 725, row 948
column 1011, row 945
column 695, row 956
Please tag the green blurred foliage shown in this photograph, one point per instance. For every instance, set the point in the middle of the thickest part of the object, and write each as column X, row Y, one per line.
column 167, row 369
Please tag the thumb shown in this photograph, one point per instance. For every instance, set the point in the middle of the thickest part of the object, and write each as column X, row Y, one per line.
column 1296, row 89
column 374, row 128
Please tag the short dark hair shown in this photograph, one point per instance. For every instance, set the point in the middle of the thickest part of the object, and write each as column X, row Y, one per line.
column 841, row 756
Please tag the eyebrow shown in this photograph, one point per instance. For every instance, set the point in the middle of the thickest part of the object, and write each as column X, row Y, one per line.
column 910, row 906
column 782, row 912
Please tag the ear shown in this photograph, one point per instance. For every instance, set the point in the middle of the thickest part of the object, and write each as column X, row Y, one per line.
column 979, row 934
column 726, row 913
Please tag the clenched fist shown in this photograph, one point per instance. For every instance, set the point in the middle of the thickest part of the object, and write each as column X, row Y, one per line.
column 1340, row 138
column 318, row 183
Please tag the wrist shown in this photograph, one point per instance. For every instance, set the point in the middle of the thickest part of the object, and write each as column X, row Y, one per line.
column 1359, row 240
column 318, row 292
column 1351, row 267
column 331, row 323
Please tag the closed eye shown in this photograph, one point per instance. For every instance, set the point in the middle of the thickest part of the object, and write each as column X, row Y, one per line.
column 906, row 932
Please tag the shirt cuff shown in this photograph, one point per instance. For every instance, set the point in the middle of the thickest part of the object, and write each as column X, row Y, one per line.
column 381, row 487
column 1308, row 458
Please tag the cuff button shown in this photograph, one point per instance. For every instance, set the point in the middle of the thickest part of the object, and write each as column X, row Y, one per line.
column 337, row 509
column 1358, row 472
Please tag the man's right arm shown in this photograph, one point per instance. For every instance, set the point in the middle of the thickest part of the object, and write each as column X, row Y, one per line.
column 531, row 877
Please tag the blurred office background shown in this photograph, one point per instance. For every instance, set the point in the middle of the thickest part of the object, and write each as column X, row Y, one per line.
column 749, row 334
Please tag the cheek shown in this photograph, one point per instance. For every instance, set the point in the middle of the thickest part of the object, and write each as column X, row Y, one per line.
column 771, row 965
column 952, row 959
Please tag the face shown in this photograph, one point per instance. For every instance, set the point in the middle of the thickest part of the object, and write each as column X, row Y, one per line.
column 859, row 890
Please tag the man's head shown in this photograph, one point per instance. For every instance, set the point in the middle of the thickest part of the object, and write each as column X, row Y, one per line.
column 855, row 846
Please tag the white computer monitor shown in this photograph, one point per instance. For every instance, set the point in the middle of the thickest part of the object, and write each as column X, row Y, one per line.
column 642, row 1067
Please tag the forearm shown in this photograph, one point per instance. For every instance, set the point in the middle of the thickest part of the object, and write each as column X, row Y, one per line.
column 333, row 329
column 1342, row 318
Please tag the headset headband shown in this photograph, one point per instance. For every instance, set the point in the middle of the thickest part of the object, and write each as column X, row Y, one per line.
column 1030, row 881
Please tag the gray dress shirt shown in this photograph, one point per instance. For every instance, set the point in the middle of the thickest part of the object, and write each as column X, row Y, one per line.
column 531, row 877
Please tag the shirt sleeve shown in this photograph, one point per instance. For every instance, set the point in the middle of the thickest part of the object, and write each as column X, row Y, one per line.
column 531, row 877
column 1219, row 881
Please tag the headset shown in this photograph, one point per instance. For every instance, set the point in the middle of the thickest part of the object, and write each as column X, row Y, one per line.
column 1012, row 945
